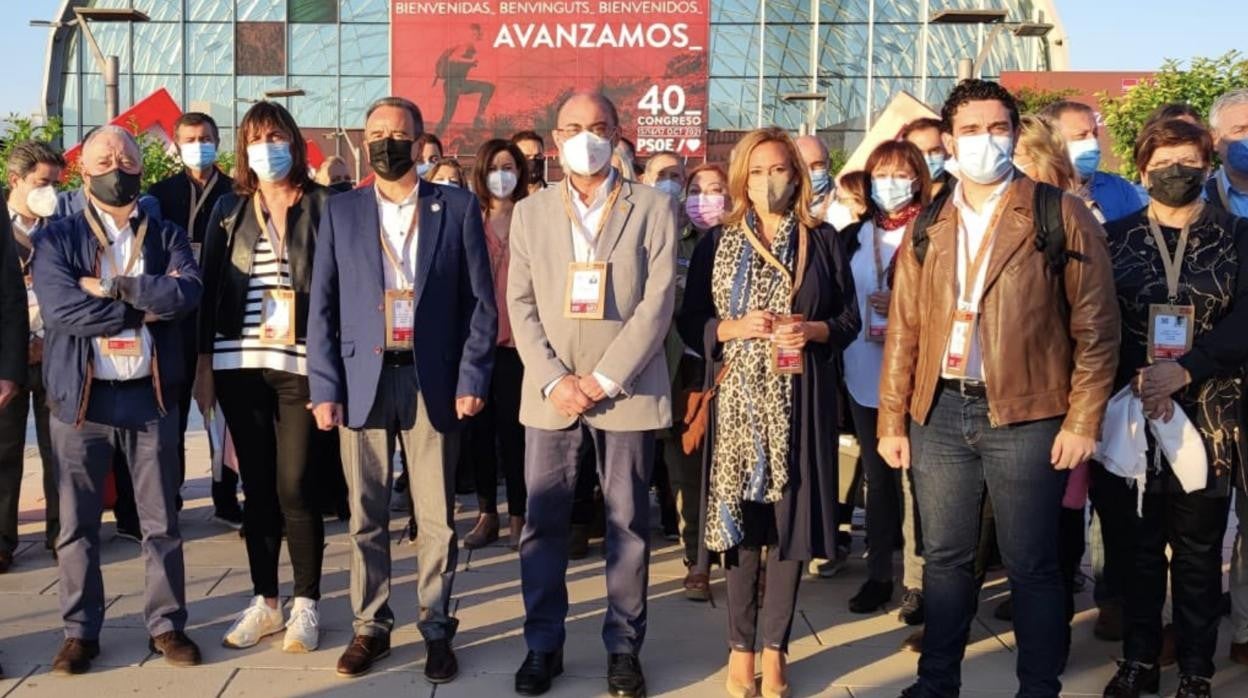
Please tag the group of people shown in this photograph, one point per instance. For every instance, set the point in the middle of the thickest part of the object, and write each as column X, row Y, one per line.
column 1001, row 325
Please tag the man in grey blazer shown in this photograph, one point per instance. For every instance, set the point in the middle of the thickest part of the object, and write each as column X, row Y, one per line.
column 590, row 291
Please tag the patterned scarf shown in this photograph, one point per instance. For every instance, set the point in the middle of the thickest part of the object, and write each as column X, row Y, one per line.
column 750, row 453
column 886, row 221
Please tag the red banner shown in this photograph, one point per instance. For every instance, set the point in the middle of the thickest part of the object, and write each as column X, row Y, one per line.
column 484, row 69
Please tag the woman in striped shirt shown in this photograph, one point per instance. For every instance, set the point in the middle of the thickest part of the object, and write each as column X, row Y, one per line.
column 257, row 266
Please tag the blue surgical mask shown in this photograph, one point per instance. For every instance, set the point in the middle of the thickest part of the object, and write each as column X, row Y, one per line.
column 197, row 156
column 422, row 169
column 821, row 181
column 1085, row 155
column 670, row 187
column 1237, row 155
column 270, row 161
column 935, row 164
column 892, row 193
column 985, row 158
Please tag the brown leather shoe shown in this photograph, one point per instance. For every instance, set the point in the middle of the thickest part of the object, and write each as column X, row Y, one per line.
column 440, row 663
column 1239, row 652
column 484, row 533
column 75, row 656
column 362, row 653
column 1169, row 655
column 177, row 648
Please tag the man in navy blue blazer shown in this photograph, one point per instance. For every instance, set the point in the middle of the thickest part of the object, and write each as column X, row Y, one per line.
column 112, row 284
column 401, row 335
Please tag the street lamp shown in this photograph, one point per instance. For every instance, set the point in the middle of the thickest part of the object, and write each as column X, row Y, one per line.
column 109, row 65
column 272, row 94
column 816, row 99
column 968, row 68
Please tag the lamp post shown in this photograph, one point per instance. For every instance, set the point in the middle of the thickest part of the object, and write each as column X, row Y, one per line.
column 109, row 65
column 974, row 68
column 815, row 99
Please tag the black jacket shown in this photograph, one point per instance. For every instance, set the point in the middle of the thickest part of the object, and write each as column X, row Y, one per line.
column 14, row 322
column 229, row 248
column 174, row 195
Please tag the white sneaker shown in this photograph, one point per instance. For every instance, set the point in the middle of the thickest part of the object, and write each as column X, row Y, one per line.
column 255, row 623
column 303, row 632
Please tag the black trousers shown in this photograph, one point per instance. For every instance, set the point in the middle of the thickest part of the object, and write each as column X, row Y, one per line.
column 12, row 456
column 496, row 437
column 744, row 570
column 268, row 417
column 1193, row 525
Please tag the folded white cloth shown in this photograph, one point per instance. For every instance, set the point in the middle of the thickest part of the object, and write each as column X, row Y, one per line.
column 1123, row 449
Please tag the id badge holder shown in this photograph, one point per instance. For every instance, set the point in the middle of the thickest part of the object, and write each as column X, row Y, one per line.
column 586, row 291
column 877, row 327
column 960, row 343
column 277, row 317
column 125, row 344
column 196, row 248
column 400, row 320
column 1170, row 331
column 787, row 361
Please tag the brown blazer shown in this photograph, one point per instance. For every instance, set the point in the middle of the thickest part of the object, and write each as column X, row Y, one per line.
column 1050, row 342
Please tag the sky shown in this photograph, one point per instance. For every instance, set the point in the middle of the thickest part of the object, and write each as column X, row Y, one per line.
column 1103, row 35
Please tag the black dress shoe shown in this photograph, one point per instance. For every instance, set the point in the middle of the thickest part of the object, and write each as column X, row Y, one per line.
column 624, row 678
column 440, row 663
column 75, row 656
column 1194, row 687
column 871, row 597
column 1133, row 679
column 539, row 668
column 911, row 611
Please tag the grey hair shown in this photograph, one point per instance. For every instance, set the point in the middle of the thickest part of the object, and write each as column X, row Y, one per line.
column 418, row 121
column 1233, row 98
column 114, row 129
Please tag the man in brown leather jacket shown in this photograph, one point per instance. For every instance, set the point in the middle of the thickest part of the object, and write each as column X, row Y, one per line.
column 1002, row 381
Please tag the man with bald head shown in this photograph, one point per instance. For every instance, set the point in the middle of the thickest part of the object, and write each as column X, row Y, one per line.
column 815, row 155
column 591, row 291
column 113, row 284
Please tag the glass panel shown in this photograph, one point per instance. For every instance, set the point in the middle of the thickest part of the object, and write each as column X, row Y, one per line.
column 844, row 51
column 846, row 11
column 69, row 105
column 789, row 11
column 733, row 103
column 896, row 49
column 260, row 48
column 157, row 47
column 948, row 44
column 365, row 49
column 261, row 10
column 314, row 49
column 312, row 11
column 114, row 40
column 208, row 10
column 365, row 11
column 70, row 136
column 145, row 85
column 846, row 104
column 788, row 51
column 734, row 50
column 209, row 49
column 212, row 94
column 160, row 10
column 93, row 111
column 253, row 88
column 356, row 94
column 318, row 108
column 111, row 3
column 227, row 140
column 897, row 11
column 735, row 11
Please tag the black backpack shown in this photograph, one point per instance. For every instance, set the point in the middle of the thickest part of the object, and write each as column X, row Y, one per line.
column 1050, row 229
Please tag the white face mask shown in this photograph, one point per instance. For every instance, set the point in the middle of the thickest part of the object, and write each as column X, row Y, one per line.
column 892, row 193
column 670, row 186
column 501, row 183
column 585, row 153
column 985, row 158
column 839, row 216
column 42, row 201
column 446, row 182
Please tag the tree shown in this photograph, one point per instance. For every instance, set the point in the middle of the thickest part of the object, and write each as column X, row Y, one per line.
column 1202, row 82
column 837, row 159
column 1031, row 100
column 22, row 129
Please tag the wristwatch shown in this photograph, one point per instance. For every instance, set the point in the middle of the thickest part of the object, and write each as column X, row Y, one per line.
column 109, row 287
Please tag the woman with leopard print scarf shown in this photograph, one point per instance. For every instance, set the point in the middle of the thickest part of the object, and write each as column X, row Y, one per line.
column 771, row 452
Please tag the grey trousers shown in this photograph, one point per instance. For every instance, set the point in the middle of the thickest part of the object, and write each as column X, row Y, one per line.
column 891, row 510
column 399, row 416
column 119, row 416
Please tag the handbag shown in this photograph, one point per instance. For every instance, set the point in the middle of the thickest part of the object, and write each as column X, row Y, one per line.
column 693, row 413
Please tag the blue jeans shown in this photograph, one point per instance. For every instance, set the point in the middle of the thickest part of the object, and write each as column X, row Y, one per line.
column 954, row 456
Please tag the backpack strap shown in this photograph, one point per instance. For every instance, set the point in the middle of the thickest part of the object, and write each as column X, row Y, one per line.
column 1213, row 193
column 918, row 234
column 1050, row 228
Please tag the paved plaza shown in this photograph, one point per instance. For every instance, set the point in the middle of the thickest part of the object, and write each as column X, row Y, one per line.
column 833, row 653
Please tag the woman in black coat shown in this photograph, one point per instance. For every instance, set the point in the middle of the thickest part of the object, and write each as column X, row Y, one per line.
column 771, row 454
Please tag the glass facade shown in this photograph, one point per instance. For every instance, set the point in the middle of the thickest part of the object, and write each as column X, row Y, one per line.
column 219, row 55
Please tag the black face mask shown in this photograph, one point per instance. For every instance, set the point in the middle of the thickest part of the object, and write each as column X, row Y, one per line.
column 536, row 169
column 341, row 187
column 116, row 188
column 391, row 158
column 1176, row 185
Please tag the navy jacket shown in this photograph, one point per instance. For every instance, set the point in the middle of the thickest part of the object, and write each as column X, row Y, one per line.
column 65, row 252
column 456, row 317
column 70, row 202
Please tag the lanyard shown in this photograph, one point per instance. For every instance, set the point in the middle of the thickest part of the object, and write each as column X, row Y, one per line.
column 578, row 224
column 1172, row 265
column 197, row 201
column 985, row 247
column 277, row 238
column 795, row 278
column 136, row 245
column 877, row 239
column 400, row 268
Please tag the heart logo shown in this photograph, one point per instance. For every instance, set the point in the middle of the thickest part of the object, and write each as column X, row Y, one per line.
column 693, row 144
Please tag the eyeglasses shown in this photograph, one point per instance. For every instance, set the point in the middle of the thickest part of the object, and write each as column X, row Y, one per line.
column 600, row 129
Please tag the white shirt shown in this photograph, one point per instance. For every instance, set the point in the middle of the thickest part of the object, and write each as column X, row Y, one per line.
column 396, row 218
column 34, row 317
column 864, row 359
column 113, row 261
column 588, row 217
column 974, row 227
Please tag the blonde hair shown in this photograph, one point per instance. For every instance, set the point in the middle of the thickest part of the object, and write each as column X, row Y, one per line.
column 739, row 176
column 1047, row 149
